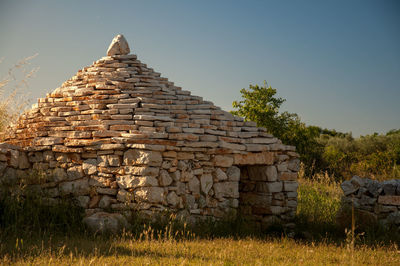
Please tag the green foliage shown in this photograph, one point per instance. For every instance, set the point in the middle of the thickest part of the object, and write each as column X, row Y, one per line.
column 321, row 149
column 372, row 155
column 260, row 105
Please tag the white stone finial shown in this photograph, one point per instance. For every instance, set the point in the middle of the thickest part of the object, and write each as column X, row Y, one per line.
column 118, row 46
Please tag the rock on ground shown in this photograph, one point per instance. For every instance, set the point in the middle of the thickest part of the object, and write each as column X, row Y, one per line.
column 103, row 222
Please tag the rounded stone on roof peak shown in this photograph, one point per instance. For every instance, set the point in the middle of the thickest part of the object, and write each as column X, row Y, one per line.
column 118, row 46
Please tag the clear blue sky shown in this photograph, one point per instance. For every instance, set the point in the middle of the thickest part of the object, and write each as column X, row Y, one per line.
column 337, row 63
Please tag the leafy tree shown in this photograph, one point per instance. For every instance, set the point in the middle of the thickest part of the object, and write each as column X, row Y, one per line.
column 259, row 104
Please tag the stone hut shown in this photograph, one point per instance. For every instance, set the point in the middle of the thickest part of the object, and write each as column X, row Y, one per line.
column 118, row 136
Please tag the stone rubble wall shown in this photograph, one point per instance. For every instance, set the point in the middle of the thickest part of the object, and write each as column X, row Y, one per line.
column 118, row 136
column 377, row 202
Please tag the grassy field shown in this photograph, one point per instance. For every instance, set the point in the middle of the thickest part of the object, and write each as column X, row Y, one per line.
column 38, row 236
column 221, row 251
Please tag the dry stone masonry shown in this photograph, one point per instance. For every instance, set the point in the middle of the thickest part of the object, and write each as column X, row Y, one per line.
column 374, row 202
column 117, row 136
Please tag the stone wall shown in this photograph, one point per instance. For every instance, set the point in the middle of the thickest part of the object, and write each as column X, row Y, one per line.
column 151, row 179
column 374, row 201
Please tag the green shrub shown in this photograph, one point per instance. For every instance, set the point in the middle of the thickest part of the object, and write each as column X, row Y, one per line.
column 318, row 204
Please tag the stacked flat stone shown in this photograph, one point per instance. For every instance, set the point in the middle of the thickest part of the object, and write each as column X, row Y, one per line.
column 374, row 200
column 119, row 136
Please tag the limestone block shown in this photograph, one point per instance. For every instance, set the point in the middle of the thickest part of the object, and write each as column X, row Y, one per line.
column 106, row 190
column 282, row 167
column 59, row 174
column 97, row 181
column 118, row 46
column 269, row 187
column 176, row 176
column 185, row 156
column 206, row 182
column 373, row 187
column 77, row 187
column 389, row 200
column 144, row 171
column 111, row 146
column 40, row 141
column 142, row 157
column 113, row 160
column 266, row 158
column 35, row 157
column 89, row 166
column 389, row 187
column 223, row 161
column 48, row 156
column 256, row 147
column 173, row 199
column 182, row 165
column 262, row 140
column 190, row 201
column 150, row 194
column 102, row 161
column 130, row 181
column 288, row 176
column 220, row 175
column 294, row 165
column 186, row 176
column 124, row 196
column 348, row 187
column 198, row 171
column 105, row 202
column 165, row 179
column 232, row 146
column 181, row 188
column 170, row 154
column 166, row 165
column 233, row 173
column 152, row 147
column 102, row 222
column 226, row 189
column 292, row 203
column 194, row 185
column 75, row 172
column 290, row 186
column 272, row 174
column 60, row 157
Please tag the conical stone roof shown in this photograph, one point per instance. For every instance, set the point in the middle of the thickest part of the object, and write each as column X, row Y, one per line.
column 119, row 100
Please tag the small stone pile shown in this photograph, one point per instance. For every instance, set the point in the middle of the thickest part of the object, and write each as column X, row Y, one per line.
column 377, row 202
column 118, row 136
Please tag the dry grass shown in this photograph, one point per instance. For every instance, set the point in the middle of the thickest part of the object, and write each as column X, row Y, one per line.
column 13, row 90
column 223, row 251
